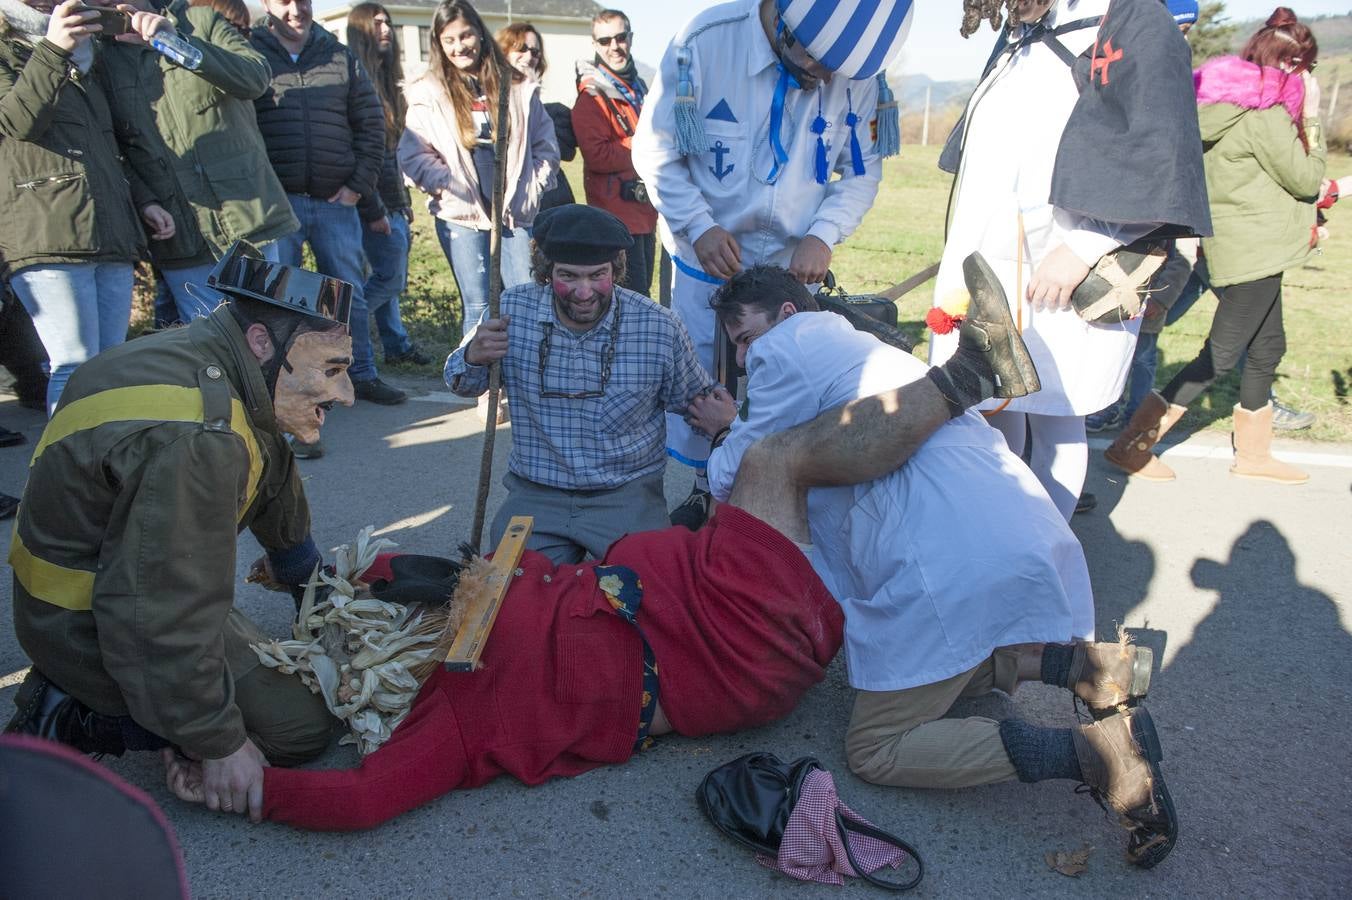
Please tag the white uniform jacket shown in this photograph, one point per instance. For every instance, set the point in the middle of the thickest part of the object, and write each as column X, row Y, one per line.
column 1014, row 121
column 958, row 552
column 734, row 74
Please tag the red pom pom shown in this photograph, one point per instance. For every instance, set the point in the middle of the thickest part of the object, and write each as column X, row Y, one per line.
column 941, row 322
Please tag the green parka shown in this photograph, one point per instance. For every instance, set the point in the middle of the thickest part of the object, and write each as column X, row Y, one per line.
column 160, row 452
column 192, row 140
column 1262, row 184
column 64, row 195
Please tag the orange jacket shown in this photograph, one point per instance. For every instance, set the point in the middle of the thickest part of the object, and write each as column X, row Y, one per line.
column 599, row 124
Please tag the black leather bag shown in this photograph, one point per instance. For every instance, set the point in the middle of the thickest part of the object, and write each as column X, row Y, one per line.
column 751, row 798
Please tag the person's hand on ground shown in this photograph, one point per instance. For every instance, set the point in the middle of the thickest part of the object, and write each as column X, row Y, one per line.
column 234, row 784
column 711, row 412
column 811, row 259
column 1056, row 279
column 183, row 777
column 489, row 343
column 718, row 253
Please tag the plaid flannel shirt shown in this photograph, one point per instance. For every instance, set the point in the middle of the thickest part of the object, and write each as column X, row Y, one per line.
column 594, row 442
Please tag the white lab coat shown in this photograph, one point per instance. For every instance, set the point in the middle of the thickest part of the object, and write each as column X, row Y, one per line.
column 734, row 74
column 1014, row 123
column 958, row 552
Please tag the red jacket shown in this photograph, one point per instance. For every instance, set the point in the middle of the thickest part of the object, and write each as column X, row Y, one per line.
column 599, row 125
column 739, row 624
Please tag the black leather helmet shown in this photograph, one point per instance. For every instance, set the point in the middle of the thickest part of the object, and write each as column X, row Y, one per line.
column 242, row 272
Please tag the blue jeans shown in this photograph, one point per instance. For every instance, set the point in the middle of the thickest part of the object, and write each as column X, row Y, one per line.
column 466, row 250
column 388, row 256
column 198, row 300
column 78, row 309
column 334, row 233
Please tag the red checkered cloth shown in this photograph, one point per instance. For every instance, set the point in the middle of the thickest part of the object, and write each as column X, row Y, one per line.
column 812, row 848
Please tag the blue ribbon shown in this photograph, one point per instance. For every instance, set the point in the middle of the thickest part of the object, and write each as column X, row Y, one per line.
column 819, row 126
column 777, row 122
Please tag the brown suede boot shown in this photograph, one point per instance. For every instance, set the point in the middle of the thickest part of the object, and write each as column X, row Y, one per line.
column 1151, row 421
column 1108, row 675
column 1252, row 439
column 1120, row 762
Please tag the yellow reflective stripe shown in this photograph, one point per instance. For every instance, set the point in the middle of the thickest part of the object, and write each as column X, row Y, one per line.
column 149, row 403
column 58, row 585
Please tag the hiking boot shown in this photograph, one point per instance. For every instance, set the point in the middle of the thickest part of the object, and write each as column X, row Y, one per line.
column 46, row 711
column 1284, row 418
column 1151, row 421
column 989, row 329
column 413, row 356
column 1252, row 439
column 1108, row 675
column 694, row 510
column 1120, row 762
column 377, row 391
column 312, row 450
column 1086, row 502
column 11, row 438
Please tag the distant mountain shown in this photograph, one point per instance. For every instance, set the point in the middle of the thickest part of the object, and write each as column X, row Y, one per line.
column 1334, row 33
column 910, row 91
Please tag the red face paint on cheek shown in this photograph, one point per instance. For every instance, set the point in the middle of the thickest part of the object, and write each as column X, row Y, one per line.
column 561, row 290
column 604, row 285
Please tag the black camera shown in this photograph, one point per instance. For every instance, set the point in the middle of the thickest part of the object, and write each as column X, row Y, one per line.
column 634, row 189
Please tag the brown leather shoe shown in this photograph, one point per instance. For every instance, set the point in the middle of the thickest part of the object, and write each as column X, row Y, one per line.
column 1151, row 421
column 989, row 328
column 1120, row 761
column 1109, row 675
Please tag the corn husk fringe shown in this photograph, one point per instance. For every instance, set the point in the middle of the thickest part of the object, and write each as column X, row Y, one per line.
column 366, row 657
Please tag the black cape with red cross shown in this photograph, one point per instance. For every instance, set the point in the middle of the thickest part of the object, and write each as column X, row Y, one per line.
column 1131, row 151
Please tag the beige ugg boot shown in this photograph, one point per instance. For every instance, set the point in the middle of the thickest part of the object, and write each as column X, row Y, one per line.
column 1151, row 421
column 1252, row 439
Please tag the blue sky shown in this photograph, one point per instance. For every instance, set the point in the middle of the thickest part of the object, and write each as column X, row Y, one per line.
column 934, row 47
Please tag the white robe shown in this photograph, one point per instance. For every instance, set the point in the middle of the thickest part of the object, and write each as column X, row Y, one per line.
column 1014, row 124
column 958, row 552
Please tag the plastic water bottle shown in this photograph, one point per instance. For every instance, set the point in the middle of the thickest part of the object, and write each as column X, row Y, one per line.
column 177, row 48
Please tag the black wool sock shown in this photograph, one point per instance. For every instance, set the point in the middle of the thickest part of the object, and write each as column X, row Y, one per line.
column 1056, row 664
column 1038, row 753
column 965, row 380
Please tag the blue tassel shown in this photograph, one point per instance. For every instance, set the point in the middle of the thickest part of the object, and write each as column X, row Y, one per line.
column 690, row 139
column 856, row 153
column 819, row 129
column 887, row 141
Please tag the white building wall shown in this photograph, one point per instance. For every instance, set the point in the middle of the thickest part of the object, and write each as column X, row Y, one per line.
column 566, row 41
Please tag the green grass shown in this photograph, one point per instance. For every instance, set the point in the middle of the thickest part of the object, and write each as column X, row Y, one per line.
column 903, row 234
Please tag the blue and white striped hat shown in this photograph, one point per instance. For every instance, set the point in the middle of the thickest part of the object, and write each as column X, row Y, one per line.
column 853, row 38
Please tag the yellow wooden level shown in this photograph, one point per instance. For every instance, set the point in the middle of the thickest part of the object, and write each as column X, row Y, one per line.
column 470, row 641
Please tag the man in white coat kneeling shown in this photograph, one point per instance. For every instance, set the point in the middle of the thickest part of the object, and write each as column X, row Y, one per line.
column 956, row 573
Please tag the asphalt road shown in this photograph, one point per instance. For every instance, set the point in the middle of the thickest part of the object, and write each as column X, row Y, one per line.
column 1241, row 587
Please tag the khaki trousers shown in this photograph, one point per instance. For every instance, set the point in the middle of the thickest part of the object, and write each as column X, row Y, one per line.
column 284, row 719
column 900, row 738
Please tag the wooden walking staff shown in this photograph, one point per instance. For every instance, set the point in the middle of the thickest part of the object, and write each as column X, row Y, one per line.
column 500, row 137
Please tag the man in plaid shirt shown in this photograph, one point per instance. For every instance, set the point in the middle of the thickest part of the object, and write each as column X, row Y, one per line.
column 590, row 370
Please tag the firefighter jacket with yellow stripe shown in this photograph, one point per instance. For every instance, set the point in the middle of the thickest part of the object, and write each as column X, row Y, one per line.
column 161, row 451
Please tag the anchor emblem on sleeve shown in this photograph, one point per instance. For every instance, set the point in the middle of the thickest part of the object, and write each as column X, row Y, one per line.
column 718, row 169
